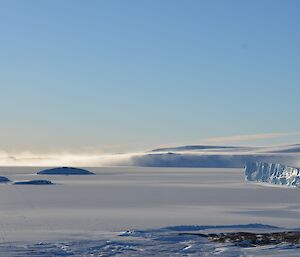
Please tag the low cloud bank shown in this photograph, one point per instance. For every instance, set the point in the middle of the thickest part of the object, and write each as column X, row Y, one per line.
column 64, row 159
column 183, row 156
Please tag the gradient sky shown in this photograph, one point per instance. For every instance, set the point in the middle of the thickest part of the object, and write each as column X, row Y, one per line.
column 127, row 75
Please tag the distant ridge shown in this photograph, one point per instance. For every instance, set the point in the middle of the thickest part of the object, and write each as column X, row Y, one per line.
column 292, row 148
column 212, row 156
column 193, row 147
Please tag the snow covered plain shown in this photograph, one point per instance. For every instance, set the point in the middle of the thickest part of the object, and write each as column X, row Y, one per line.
column 87, row 215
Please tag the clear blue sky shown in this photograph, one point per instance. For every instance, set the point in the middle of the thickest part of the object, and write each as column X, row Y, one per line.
column 126, row 75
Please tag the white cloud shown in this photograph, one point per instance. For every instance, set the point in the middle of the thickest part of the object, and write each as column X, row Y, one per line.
column 62, row 159
column 246, row 138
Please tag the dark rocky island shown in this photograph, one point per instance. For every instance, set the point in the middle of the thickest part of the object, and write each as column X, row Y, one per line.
column 34, row 182
column 65, row 171
column 4, row 179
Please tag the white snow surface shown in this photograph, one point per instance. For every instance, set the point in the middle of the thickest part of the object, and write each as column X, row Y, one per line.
column 85, row 215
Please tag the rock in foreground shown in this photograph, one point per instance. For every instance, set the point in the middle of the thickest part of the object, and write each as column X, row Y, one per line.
column 34, row 182
column 272, row 173
column 254, row 239
column 4, row 179
column 65, row 171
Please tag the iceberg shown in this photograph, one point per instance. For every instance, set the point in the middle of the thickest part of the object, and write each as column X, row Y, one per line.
column 273, row 173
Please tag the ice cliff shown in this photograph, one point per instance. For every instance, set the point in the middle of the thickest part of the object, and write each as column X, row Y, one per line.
column 272, row 173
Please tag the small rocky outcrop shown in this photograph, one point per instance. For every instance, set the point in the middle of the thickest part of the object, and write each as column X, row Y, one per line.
column 253, row 239
column 65, row 171
column 34, row 182
column 4, row 179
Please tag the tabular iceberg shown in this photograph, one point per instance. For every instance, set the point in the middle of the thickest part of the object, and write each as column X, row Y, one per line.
column 273, row 173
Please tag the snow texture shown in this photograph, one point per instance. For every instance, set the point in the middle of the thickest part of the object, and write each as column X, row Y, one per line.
column 155, row 242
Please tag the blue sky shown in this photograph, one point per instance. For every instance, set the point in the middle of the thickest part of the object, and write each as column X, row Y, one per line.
column 130, row 75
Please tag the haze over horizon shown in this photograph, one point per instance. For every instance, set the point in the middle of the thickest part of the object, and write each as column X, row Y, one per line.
column 125, row 76
column 149, row 128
